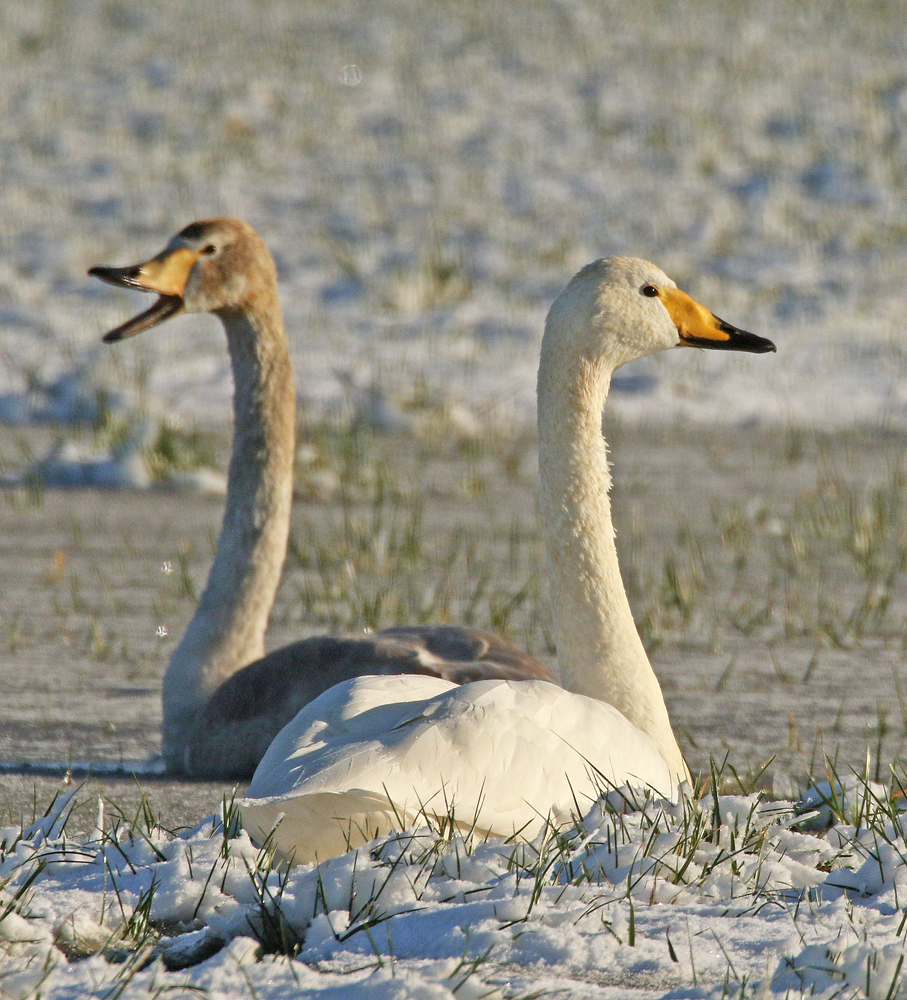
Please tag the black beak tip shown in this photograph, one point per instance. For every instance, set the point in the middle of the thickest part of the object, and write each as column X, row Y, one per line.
column 751, row 343
column 122, row 277
column 743, row 340
column 112, row 275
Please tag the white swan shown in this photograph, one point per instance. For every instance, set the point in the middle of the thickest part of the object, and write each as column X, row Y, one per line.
column 224, row 700
column 499, row 756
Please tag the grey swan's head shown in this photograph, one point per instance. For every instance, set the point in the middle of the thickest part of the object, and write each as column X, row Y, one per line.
column 218, row 266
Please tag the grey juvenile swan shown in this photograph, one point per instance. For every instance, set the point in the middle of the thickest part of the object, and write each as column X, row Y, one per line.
column 498, row 757
column 224, row 699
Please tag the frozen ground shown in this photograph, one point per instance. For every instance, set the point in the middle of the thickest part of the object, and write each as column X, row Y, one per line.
column 727, row 896
column 428, row 175
column 771, row 590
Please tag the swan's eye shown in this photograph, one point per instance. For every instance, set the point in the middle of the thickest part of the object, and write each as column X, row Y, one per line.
column 209, row 250
column 650, row 291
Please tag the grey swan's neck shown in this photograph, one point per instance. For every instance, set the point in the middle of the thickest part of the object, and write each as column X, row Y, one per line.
column 228, row 628
column 599, row 651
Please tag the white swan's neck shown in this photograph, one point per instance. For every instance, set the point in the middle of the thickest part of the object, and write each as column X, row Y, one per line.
column 599, row 650
column 228, row 628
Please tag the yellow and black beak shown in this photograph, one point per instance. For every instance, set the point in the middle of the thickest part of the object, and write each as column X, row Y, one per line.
column 166, row 274
column 697, row 327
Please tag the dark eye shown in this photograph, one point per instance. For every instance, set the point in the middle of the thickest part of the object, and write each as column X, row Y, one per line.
column 650, row 291
column 209, row 250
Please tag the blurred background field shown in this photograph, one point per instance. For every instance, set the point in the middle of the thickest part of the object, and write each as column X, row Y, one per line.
column 428, row 175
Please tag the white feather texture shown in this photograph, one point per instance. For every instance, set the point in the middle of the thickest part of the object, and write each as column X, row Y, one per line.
column 600, row 321
column 381, row 753
column 375, row 753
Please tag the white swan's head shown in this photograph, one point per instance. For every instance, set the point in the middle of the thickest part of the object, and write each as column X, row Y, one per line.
column 623, row 308
column 219, row 266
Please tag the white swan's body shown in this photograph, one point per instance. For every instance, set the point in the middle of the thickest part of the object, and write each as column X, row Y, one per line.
column 380, row 753
column 501, row 756
column 224, row 699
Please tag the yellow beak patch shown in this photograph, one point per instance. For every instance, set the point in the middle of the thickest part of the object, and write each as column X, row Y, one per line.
column 168, row 272
column 693, row 321
column 697, row 327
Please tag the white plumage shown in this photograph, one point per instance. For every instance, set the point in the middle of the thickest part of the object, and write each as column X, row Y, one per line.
column 378, row 753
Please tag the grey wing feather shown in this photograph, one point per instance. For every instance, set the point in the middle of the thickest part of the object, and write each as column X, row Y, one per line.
column 247, row 711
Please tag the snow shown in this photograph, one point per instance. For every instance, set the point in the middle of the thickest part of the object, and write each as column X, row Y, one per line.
column 428, row 182
column 428, row 178
column 722, row 896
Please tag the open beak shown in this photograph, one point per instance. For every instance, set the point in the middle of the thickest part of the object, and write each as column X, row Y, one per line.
column 166, row 274
column 697, row 327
